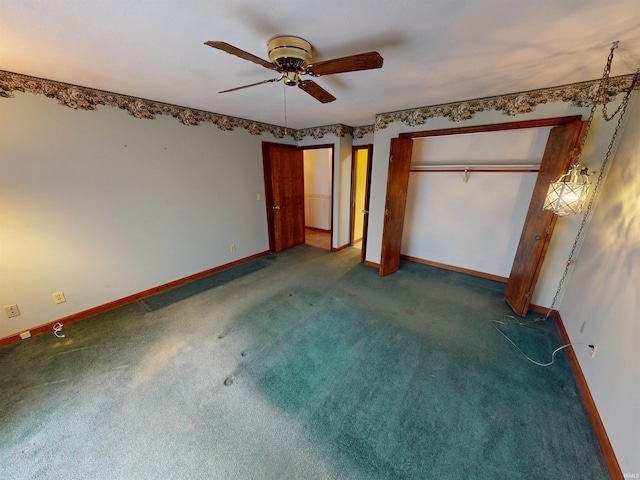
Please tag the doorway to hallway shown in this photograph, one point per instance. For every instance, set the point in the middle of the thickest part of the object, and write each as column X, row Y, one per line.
column 360, row 183
column 318, row 198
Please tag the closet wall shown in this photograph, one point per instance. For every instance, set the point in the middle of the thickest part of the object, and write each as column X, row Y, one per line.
column 467, row 199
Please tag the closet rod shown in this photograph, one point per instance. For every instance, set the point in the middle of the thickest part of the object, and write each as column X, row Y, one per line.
column 475, row 168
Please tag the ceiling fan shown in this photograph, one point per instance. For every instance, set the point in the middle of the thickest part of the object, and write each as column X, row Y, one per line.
column 291, row 57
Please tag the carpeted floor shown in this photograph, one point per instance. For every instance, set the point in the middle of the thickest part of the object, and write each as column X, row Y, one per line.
column 311, row 366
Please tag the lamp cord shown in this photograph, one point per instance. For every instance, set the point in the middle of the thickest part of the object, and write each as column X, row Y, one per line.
column 505, row 321
column 622, row 108
column 57, row 330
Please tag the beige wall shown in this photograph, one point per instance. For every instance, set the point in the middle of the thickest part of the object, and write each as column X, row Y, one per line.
column 604, row 296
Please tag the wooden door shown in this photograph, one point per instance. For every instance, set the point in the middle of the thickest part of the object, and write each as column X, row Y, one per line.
column 539, row 223
column 284, row 195
column 397, row 185
column 360, row 193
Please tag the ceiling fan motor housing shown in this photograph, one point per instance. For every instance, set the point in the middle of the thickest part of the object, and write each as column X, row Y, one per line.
column 290, row 54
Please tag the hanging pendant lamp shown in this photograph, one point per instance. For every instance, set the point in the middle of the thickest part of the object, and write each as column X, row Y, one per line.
column 568, row 194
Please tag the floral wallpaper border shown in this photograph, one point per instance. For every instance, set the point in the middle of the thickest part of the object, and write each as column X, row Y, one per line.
column 73, row 96
column 579, row 94
column 77, row 97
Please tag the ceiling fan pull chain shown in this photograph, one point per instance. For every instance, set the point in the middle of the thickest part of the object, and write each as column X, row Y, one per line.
column 284, row 89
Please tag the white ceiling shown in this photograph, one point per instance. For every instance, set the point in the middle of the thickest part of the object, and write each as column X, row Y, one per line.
column 435, row 51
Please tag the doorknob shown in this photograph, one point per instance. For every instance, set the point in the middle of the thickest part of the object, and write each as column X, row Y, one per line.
column 276, row 208
column 365, row 211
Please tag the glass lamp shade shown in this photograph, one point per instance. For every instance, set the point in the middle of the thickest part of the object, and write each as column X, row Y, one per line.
column 568, row 194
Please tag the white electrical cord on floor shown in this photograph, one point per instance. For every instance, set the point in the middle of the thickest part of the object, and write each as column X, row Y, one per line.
column 495, row 324
column 57, row 328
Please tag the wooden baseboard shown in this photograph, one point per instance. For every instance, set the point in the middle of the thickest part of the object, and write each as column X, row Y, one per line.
column 601, row 434
column 130, row 299
column 543, row 310
column 474, row 273
column 372, row 264
column 337, row 249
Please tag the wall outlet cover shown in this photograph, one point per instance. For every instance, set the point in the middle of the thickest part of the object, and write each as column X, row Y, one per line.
column 59, row 297
column 12, row 310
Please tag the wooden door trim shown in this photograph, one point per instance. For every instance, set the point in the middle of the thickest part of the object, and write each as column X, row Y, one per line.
column 354, row 168
column 367, row 198
column 545, row 122
column 539, row 224
column 494, row 127
column 352, row 196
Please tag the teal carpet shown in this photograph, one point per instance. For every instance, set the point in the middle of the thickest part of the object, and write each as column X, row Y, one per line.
column 182, row 292
column 313, row 368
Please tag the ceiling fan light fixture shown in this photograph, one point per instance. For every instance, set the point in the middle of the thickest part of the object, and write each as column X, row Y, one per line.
column 291, row 54
column 291, row 78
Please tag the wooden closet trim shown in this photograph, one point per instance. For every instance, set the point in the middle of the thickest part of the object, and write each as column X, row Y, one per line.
column 493, row 127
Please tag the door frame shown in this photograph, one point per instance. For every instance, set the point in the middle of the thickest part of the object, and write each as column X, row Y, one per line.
column 268, row 192
column 367, row 193
column 331, row 147
column 546, row 122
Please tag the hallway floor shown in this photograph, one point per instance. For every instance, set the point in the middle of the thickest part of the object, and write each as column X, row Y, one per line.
column 317, row 238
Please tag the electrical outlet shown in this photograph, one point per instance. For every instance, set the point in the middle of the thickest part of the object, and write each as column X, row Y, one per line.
column 59, row 297
column 12, row 310
column 593, row 348
column 232, row 247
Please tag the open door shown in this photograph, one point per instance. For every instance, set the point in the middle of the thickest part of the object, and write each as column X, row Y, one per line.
column 397, row 186
column 539, row 223
column 284, row 195
column 360, row 189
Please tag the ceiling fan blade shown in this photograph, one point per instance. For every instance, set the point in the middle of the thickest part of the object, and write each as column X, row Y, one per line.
column 352, row 63
column 316, row 91
column 251, row 85
column 225, row 47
